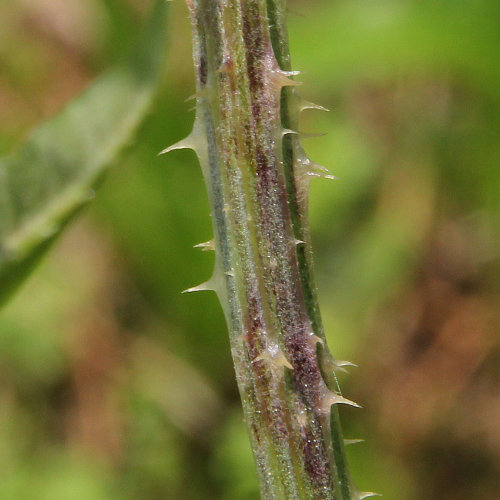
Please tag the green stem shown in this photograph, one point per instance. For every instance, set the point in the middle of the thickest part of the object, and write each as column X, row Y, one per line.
column 257, row 178
column 292, row 153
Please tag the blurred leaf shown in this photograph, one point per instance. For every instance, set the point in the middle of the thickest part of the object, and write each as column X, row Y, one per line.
column 51, row 176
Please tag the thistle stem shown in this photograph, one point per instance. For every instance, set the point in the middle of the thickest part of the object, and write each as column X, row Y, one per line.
column 257, row 178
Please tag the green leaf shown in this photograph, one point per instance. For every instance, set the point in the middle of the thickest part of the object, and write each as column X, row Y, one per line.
column 53, row 173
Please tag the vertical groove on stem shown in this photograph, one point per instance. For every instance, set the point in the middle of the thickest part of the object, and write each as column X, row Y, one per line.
column 293, row 154
column 257, row 178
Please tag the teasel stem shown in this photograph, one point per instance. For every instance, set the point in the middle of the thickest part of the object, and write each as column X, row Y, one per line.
column 257, row 177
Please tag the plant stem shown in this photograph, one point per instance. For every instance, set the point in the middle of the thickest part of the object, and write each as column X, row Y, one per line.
column 257, row 178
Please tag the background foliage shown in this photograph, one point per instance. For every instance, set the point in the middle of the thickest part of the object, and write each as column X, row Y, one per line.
column 114, row 386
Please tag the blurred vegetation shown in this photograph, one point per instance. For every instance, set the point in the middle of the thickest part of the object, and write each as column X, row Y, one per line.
column 113, row 386
column 51, row 176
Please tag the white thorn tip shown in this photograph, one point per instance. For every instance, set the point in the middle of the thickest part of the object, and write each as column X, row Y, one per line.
column 206, row 246
column 281, row 360
column 186, row 143
column 340, row 364
column 200, row 288
column 332, row 398
column 319, row 167
column 348, row 442
column 300, row 242
column 311, row 105
column 287, row 131
column 366, row 494
column 340, row 369
column 322, row 175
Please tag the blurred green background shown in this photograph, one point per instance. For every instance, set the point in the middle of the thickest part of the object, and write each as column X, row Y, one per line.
column 115, row 386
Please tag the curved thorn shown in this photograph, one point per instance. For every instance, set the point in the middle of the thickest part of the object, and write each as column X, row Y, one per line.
column 348, row 442
column 366, row 494
column 275, row 356
column 287, row 131
column 186, row 143
column 206, row 246
column 317, row 166
column 281, row 78
column 303, row 104
column 314, row 339
column 202, row 287
column 226, row 66
column 322, row 175
column 332, row 398
column 340, row 364
column 199, row 93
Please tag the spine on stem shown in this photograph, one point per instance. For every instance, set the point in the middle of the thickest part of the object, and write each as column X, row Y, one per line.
column 257, row 176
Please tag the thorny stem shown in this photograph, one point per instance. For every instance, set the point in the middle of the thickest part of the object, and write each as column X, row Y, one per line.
column 257, row 177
